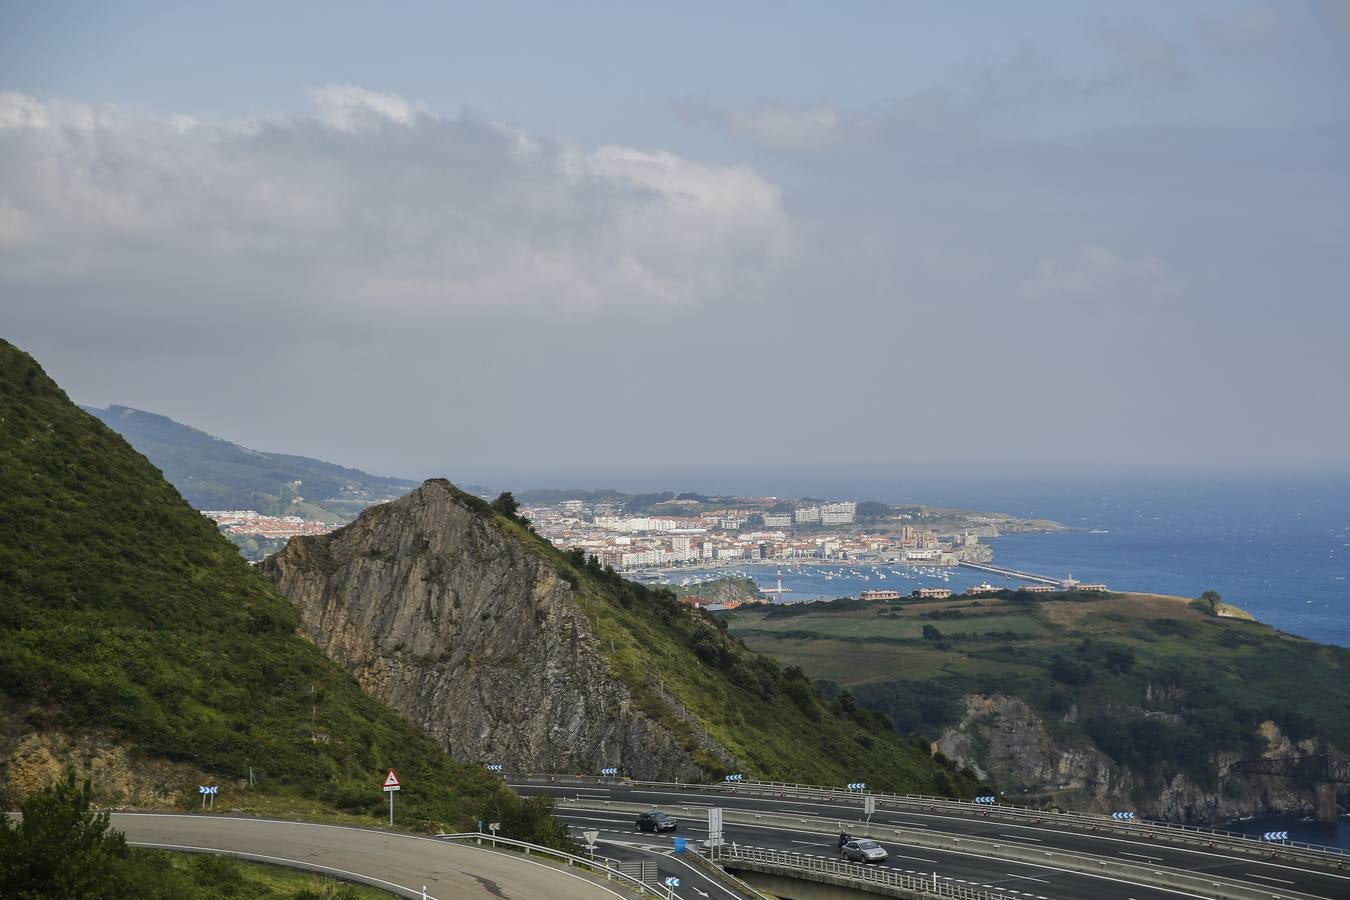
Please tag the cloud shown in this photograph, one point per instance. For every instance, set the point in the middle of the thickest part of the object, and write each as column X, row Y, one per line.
column 1093, row 274
column 778, row 127
column 373, row 205
column 349, row 107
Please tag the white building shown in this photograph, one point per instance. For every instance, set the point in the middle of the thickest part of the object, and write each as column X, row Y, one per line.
column 806, row 515
column 842, row 513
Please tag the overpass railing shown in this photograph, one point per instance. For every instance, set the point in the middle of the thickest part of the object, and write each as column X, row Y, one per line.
column 1085, row 820
column 1321, row 854
column 603, row 866
column 1195, row 882
column 803, row 865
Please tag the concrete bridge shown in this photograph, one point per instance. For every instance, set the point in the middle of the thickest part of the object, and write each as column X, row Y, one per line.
column 1014, row 573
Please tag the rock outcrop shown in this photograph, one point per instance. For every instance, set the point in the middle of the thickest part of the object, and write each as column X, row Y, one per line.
column 463, row 628
column 1004, row 739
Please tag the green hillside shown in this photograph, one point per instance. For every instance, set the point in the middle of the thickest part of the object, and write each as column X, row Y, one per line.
column 124, row 613
column 768, row 716
column 215, row 474
column 1159, row 684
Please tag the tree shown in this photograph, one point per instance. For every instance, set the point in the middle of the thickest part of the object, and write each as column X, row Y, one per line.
column 1213, row 599
column 873, row 509
column 931, row 633
column 506, row 504
column 63, row 847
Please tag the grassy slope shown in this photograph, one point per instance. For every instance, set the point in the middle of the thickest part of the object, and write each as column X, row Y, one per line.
column 123, row 610
column 1222, row 676
column 745, row 701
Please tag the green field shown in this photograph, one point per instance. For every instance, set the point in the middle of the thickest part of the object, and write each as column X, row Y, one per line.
column 1159, row 683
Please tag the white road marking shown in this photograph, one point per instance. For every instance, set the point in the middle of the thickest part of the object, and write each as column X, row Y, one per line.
column 811, row 843
column 1027, row 877
column 1266, row 877
column 1020, row 837
column 1141, row 856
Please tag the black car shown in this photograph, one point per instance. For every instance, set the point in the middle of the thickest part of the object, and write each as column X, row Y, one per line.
column 655, row 821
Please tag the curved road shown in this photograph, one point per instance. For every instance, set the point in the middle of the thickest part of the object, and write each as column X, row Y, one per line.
column 400, row 863
column 588, row 810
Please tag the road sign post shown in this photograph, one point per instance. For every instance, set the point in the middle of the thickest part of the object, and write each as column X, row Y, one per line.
column 715, row 826
column 591, row 837
column 391, row 784
column 869, row 806
column 208, row 793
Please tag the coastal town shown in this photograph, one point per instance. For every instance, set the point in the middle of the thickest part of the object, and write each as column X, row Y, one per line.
column 765, row 530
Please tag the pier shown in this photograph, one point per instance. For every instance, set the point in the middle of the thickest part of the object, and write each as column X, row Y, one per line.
column 1014, row 573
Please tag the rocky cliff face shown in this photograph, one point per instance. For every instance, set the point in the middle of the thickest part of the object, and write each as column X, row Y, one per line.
column 473, row 636
column 1003, row 738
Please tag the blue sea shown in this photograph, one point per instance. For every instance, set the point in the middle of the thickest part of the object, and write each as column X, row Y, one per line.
column 1277, row 546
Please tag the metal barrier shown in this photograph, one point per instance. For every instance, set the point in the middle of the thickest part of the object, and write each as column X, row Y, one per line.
column 608, row 867
column 1319, row 854
column 802, row 865
column 1198, row 883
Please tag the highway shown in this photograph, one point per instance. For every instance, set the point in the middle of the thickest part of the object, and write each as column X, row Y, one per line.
column 399, row 863
column 589, row 810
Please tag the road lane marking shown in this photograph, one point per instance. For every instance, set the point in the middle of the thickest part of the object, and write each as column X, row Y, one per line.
column 1027, row 877
column 1266, row 877
column 811, row 843
column 1019, row 837
column 729, row 800
column 1141, row 856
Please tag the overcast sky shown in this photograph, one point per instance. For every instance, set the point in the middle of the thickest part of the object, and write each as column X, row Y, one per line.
column 522, row 238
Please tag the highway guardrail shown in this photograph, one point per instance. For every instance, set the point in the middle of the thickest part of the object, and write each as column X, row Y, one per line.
column 1215, row 888
column 1334, row 858
column 836, row 871
column 598, row 867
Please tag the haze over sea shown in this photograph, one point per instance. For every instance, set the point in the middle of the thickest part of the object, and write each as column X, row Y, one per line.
column 1277, row 545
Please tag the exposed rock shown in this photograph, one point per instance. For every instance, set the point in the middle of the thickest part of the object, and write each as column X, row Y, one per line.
column 474, row 637
column 122, row 778
column 1004, row 739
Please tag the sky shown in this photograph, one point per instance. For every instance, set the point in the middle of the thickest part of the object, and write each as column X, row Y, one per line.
column 521, row 241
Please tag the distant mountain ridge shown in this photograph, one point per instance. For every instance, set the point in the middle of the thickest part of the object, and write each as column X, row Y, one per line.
column 213, row 473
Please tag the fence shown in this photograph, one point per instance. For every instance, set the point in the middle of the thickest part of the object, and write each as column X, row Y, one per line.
column 1196, row 882
column 1318, row 854
column 802, row 865
column 611, row 869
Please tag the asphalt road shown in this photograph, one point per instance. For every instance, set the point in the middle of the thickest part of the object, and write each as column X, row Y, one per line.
column 1009, row 877
column 400, row 863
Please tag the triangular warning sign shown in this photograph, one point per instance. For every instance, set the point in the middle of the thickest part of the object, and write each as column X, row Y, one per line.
column 391, row 780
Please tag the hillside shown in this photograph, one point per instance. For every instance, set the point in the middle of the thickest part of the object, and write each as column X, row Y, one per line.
column 510, row 651
column 135, row 642
column 1094, row 701
column 212, row 473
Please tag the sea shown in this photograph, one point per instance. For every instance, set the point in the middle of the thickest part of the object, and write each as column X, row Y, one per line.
column 1277, row 545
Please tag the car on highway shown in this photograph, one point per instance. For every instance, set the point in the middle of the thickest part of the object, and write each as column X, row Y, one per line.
column 655, row 821
column 863, row 851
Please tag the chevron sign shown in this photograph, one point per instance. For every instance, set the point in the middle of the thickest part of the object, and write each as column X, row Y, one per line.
column 610, row 771
column 988, row 798
column 494, row 767
column 1275, row 836
column 1122, row 815
column 857, row 786
column 735, row 777
column 205, row 789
